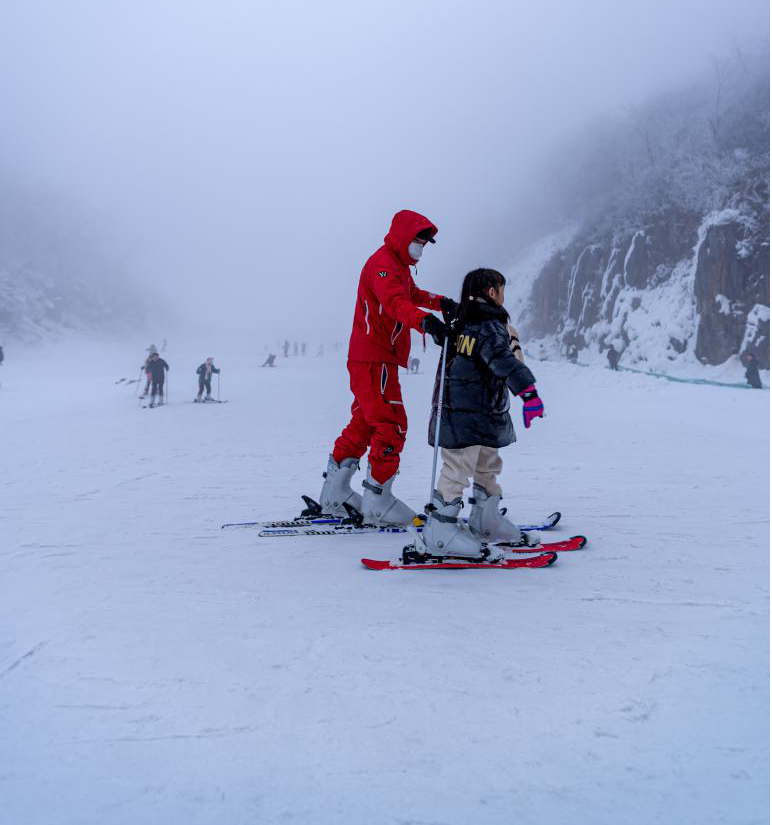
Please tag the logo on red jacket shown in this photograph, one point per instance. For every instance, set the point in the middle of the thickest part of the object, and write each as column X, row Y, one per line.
column 383, row 273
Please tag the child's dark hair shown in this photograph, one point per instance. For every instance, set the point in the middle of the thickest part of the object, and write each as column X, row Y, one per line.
column 476, row 285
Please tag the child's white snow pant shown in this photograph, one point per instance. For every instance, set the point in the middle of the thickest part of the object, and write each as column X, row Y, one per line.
column 482, row 464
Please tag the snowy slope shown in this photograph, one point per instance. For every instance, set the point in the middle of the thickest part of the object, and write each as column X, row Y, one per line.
column 155, row 669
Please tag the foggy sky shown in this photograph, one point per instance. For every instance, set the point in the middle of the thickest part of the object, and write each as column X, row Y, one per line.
column 247, row 157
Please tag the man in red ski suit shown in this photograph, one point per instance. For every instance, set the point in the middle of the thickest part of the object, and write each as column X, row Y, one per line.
column 387, row 308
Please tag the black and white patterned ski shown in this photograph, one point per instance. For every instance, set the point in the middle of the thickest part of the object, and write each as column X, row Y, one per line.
column 542, row 560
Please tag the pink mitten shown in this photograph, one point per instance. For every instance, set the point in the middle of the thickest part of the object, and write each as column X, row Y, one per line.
column 532, row 405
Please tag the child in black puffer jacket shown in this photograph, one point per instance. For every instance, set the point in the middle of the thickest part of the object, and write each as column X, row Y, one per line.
column 484, row 366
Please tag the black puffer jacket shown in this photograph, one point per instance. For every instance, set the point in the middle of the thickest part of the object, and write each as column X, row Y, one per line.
column 481, row 372
column 157, row 368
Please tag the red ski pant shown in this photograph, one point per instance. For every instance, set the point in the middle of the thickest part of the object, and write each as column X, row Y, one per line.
column 378, row 419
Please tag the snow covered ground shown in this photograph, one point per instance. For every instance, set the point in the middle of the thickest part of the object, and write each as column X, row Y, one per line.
column 155, row 669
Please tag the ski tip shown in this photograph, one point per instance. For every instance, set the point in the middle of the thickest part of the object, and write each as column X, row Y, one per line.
column 374, row 564
column 554, row 518
column 549, row 558
column 580, row 540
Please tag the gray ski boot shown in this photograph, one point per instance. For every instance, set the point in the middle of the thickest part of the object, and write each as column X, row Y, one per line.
column 381, row 507
column 446, row 536
column 488, row 522
column 336, row 490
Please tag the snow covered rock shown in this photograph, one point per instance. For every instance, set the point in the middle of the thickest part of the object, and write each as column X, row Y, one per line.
column 730, row 265
column 668, row 257
column 679, row 284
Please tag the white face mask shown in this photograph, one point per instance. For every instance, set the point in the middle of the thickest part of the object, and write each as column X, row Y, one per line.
column 415, row 250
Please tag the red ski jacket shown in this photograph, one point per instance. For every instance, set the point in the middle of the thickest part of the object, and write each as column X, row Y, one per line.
column 388, row 300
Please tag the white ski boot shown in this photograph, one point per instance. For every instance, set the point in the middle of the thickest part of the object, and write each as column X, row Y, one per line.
column 446, row 537
column 488, row 522
column 381, row 507
column 336, row 490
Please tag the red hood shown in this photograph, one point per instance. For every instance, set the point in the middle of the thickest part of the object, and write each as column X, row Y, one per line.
column 405, row 225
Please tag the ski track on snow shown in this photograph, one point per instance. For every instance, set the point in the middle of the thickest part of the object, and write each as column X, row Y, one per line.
column 154, row 668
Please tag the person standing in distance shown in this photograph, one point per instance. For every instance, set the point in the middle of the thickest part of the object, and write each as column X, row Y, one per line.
column 204, row 373
column 752, row 370
column 388, row 306
column 158, row 369
column 151, row 350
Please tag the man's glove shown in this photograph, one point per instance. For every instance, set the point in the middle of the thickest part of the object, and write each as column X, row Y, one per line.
column 532, row 405
column 435, row 328
column 449, row 309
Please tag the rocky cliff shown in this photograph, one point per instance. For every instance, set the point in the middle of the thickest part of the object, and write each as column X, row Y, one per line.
column 673, row 263
column 680, row 283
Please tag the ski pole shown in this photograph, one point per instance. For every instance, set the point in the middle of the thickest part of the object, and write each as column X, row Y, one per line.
column 139, row 381
column 218, row 386
column 439, row 415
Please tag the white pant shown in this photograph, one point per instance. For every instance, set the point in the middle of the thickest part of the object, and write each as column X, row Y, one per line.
column 483, row 464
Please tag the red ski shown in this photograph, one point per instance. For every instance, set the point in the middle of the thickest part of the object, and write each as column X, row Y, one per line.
column 542, row 560
column 574, row 543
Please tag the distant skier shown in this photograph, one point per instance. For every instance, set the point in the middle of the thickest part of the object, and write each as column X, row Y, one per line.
column 285, row 348
column 484, row 365
column 413, row 365
column 573, row 353
column 204, row 373
column 303, row 349
column 2, row 355
column 387, row 308
column 146, row 369
column 270, row 361
column 158, row 368
column 752, row 371
column 613, row 358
